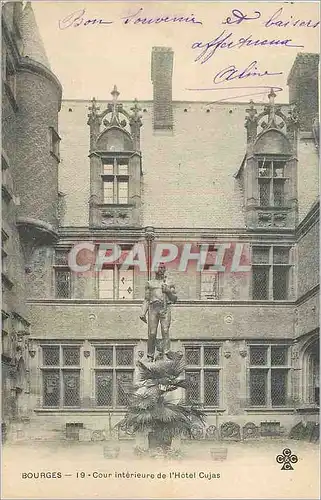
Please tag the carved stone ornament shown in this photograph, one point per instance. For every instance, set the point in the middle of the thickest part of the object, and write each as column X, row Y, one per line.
column 250, row 431
column 149, row 233
column 230, row 431
column 229, row 319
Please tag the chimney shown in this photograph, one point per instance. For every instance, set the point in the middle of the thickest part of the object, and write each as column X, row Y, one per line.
column 303, row 89
column 161, row 73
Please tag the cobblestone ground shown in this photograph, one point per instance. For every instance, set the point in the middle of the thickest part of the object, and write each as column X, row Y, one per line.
column 250, row 470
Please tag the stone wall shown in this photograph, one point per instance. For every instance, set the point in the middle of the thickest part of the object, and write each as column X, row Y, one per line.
column 63, row 320
column 308, row 260
column 185, row 183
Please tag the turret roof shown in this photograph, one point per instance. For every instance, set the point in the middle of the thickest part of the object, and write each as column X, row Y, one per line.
column 33, row 46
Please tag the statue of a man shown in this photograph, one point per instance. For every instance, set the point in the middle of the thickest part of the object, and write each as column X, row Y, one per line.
column 159, row 295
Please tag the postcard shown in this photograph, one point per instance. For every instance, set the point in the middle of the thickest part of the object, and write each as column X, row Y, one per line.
column 160, row 250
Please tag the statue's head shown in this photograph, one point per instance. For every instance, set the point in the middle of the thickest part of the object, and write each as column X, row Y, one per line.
column 160, row 271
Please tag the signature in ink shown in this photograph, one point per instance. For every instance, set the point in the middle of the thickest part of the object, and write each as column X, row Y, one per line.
column 225, row 41
column 232, row 73
column 77, row 18
column 138, row 19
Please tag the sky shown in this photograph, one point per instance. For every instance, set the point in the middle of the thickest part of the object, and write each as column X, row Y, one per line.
column 89, row 60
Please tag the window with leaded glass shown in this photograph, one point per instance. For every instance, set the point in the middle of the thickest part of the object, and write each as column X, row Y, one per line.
column 62, row 275
column 203, row 375
column 61, row 257
column 116, row 283
column 114, row 371
column 271, row 180
column 115, row 178
column 268, row 375
column 104, row 356
column 193, row 391
column 270, row 272
column 60, row 376
column 209, row 284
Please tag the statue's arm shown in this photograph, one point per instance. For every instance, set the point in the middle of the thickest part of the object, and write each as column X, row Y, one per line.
column 146, row 301
column 147, row 291
column 171, row 293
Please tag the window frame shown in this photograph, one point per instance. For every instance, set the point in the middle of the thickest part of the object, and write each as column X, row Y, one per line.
column 64, row 268
column 201, row 368
column 216, row 293
column 115, row 179
column 268, row 368
column 61, row 368
column 271, row 266
column 271, row 180
column 114, row 368
column 54, row 143
column 116, row 280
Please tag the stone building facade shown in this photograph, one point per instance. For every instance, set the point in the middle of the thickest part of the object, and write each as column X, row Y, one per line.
column 175, row 173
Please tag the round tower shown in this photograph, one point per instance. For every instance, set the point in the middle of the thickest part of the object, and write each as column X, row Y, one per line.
column 38, row 95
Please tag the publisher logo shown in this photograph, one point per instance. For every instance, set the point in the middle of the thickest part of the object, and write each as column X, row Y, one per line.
column 287, row 459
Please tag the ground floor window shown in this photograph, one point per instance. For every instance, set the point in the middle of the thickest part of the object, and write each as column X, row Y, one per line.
column 203, row 372
column 269, row 375
column 111, row 373
column 60, row 376
column 114, row 371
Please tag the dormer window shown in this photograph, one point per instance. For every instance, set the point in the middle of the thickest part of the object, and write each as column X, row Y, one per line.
column 271, row 181
column 115, row 164
column 115, row 181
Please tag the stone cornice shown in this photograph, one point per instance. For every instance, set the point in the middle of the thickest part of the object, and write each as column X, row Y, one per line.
column 201, row 235
column 180, row 303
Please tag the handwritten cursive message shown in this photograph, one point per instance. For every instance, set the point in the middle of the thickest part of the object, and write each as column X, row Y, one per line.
column 233, row 73
column 225, row 41
column 77, row 18
column 137, row 18
column 276, row 20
